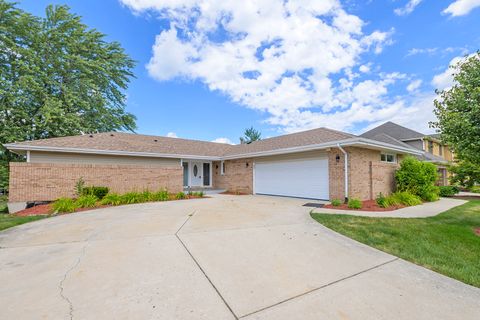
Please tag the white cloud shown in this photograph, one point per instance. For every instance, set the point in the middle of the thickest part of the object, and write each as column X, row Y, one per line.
column 223, row 140
column 461, row 7
column 266, row 56
column 172, row 135
column 414, row 85
column 408, row 8
column 444, row 80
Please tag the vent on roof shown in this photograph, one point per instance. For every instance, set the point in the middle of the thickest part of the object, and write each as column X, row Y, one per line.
column 91, row 136
column 111, row 134
column 156, row 140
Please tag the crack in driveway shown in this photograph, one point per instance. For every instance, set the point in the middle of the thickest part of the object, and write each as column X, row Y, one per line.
column 60, row 285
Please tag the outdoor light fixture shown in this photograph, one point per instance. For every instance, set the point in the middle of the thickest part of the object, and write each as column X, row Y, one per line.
column 246, row 164
column 337, row 158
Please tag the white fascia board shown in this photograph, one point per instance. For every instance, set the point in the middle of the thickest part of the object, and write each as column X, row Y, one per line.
column 15, row 147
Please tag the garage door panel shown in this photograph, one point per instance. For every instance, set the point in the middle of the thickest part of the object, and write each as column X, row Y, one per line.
column 306, row 178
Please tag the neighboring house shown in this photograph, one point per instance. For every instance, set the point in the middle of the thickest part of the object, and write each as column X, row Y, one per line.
column 433, row 149
column 317, row 164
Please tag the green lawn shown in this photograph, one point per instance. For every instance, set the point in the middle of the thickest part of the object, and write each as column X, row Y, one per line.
column 8, row 220
column 445, row 243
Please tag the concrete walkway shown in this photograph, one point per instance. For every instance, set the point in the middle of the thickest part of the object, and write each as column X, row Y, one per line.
column 226, row 257
column 428, row 209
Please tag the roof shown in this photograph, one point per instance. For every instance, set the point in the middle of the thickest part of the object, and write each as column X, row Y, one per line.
column 395, row 131
column 121, row 143
column 383, row 137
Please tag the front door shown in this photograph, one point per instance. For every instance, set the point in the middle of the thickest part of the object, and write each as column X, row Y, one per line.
column 196, row 173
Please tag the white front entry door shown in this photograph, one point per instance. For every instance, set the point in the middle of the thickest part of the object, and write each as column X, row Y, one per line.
column 196, row 174
column 303, row 178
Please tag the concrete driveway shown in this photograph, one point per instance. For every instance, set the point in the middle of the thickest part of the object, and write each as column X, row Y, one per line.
column 225, row 257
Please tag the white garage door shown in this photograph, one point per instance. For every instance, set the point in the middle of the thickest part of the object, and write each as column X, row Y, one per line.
column 304, row 178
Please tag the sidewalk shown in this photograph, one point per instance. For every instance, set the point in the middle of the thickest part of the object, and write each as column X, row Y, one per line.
column 427, row 209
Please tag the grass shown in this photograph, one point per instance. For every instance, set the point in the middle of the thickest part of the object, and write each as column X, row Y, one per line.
column 8, row 220
column 445, row 243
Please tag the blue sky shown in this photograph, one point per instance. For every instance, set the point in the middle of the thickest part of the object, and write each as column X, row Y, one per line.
column 208, row 69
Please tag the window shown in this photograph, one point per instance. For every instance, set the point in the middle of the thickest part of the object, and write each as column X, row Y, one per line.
column 440, row 150
column 222, row 168
column 430, row 146
column 387, row 157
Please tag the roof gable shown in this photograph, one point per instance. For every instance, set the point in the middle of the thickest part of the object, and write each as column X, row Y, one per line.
column 393, row 130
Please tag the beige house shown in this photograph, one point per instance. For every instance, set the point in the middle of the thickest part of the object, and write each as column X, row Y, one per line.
column 317, row 164
column 432, row 148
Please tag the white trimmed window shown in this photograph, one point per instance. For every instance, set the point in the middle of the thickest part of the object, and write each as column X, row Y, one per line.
column 222, row 168
column 388, row 157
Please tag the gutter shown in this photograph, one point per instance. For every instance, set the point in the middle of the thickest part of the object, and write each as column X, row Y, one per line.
column 345, row 169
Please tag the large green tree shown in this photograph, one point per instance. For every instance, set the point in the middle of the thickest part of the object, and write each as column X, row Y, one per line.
column 458, row 110
column 58, row 77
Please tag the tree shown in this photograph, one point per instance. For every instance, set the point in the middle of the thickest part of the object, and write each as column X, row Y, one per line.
column 465, row 173
column 58, row 78
column 458, row 110
column 417, row 177
column 250, row 135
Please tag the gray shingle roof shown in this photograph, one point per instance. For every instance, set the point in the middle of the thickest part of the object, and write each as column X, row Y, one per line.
column 383, row 137
column 120, row 141
column 393, row 130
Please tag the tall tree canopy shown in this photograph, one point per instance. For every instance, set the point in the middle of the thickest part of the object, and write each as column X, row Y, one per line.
column 458, row 110
column 250, row 135
column 58, row 77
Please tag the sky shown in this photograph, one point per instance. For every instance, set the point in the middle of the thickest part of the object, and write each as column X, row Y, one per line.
column 208, row 69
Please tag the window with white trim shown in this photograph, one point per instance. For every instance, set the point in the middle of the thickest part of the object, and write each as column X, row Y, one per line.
column 388, row 157
column 222, row 168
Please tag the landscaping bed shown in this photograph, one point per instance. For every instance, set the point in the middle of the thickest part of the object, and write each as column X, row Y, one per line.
column 367, row 205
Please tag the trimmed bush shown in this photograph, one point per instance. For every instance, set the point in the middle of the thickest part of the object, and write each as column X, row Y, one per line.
column 180, row 195
column 98, row 192
column 381, row 200
column 417, row 178
column 355, row 204
column 87, row 201
column 199, row 194
column 448, row 191
column 64, row 205
column 113, row 199
column 336, row 202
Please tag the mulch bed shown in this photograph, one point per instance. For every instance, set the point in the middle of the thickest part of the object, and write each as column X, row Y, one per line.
column 367, row 205
column 46, row 209
column 235, row 193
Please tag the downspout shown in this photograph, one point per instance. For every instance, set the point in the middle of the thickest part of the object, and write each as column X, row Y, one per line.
column 345, row 169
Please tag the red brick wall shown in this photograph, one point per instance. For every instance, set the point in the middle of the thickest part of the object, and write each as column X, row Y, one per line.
column 336, row 174
column 238, row 176
column 383, row 178
column 45, row 182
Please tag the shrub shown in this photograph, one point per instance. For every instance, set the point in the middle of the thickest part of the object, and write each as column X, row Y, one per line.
column 475, row 189
column 199, row 194
column 87, row 201
column 160, row 196
column 430, row 196
column 381, row 200
column 448, row 191
column 408, row 199
column 64, row 205
column 132, row 197
column 112, row 199
column 79, row 186
column 354, row 204
column 417, row 178
column 336, row 202
column 98, row 192
column 180, row 196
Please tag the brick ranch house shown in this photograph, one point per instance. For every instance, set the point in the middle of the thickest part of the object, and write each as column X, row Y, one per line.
column 317, row 164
